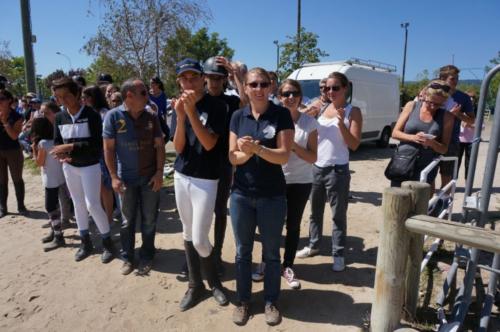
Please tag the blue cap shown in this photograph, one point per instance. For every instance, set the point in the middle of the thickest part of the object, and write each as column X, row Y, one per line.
column 188, row 65
column 36, row 101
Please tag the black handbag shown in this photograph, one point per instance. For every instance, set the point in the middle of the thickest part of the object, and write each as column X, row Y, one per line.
column 402, row 165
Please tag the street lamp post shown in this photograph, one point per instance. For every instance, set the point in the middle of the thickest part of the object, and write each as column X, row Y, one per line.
column 404, row 26
column 67, row 58
column 277, row 55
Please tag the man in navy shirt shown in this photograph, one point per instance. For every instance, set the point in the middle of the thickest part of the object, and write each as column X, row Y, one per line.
column 460, row 105
column 133, row 135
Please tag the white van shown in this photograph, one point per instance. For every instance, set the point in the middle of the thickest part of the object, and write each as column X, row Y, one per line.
column 375, row 90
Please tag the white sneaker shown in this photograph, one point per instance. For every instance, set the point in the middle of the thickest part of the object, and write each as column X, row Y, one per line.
column 258, row 274
column 307, row 252
column 289, row 276
column 338, row 264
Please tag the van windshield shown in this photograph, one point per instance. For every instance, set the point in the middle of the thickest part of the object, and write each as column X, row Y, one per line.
column 310, row 88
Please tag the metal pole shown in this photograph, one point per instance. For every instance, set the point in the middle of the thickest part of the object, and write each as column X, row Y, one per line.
column 464, row 295
column 29, row 63
column 404, row 26
column 477, row 129
column 298, row 32
column 67, row 58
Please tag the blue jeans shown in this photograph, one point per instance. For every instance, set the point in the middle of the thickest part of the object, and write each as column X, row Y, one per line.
column 332, row 184
column 268, row 213
column 139, row 197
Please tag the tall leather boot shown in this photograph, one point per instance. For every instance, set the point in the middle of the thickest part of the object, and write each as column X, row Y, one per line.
column 19, row 188
column 210, row 270
column 4, row 191
column 196, row 287
column 57, row 240
column 85, row 249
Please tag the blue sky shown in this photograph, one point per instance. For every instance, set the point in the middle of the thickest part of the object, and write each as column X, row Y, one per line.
column 439, row 31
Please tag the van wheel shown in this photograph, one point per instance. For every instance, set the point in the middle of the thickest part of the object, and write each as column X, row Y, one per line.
column 383, row 142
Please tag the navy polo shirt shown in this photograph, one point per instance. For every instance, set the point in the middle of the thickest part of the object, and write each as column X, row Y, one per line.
column 258, row 177
column 134, row 142
column 194, row 160
column 463, row 99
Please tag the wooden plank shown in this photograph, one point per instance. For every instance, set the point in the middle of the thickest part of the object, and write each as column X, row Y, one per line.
column 475, row 237
column 391, row 261
column 420, row 194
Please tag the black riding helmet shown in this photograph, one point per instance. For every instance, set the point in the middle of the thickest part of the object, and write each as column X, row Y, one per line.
column 105, row 78
column 211, row 67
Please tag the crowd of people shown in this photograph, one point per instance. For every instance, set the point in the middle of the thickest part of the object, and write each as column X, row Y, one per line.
column 238, row 136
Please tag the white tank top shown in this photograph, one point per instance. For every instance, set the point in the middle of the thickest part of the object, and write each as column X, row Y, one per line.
column 332, row 150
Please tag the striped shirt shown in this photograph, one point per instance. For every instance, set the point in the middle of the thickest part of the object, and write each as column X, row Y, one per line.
column 84, row 130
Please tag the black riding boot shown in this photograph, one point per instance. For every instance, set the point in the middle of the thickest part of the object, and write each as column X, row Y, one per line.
column 57, row 240
column 210, row 270
column 196, row 286
column 85, row 248
column 19, row 188
column 108, row 250
column 4, row 191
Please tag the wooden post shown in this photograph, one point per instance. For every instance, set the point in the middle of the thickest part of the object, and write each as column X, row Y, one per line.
column 420, row 194
column 391, row 261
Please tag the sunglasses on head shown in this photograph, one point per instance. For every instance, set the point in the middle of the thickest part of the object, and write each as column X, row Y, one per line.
column 445, row 88
column 332, row 88
column 433, row 104
column 287, row 94
column 262, row 85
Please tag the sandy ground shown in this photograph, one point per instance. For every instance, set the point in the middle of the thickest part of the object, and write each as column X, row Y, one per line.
column 52, row 292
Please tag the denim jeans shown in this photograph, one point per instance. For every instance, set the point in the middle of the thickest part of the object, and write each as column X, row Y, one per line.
column 139, row 196
column 268, row 213
column 332, row 184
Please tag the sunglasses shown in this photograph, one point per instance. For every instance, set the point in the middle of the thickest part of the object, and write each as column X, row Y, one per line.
column 143, row 93
column 262, row 85
column 2, row 98
column 332, row 88
column 433, row 104
column 287, row 94
column 445, row 88
column 115, row 100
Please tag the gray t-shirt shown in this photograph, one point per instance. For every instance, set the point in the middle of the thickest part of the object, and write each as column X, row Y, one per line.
column 52, row 174
column 298, row 170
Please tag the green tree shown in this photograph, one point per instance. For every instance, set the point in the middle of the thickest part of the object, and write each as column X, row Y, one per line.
column 133, row 31
column 495, row 82
column 199, row 46
column 309, row 52
column 105, row 64
column 12, row 67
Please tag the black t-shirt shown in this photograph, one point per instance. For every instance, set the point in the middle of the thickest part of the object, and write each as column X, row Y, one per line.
column 258, row 177
column 233, row 104
column 7, row 143
column 194, row 160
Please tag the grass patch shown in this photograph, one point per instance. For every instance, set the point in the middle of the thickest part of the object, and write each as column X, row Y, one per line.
column 30, row 165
